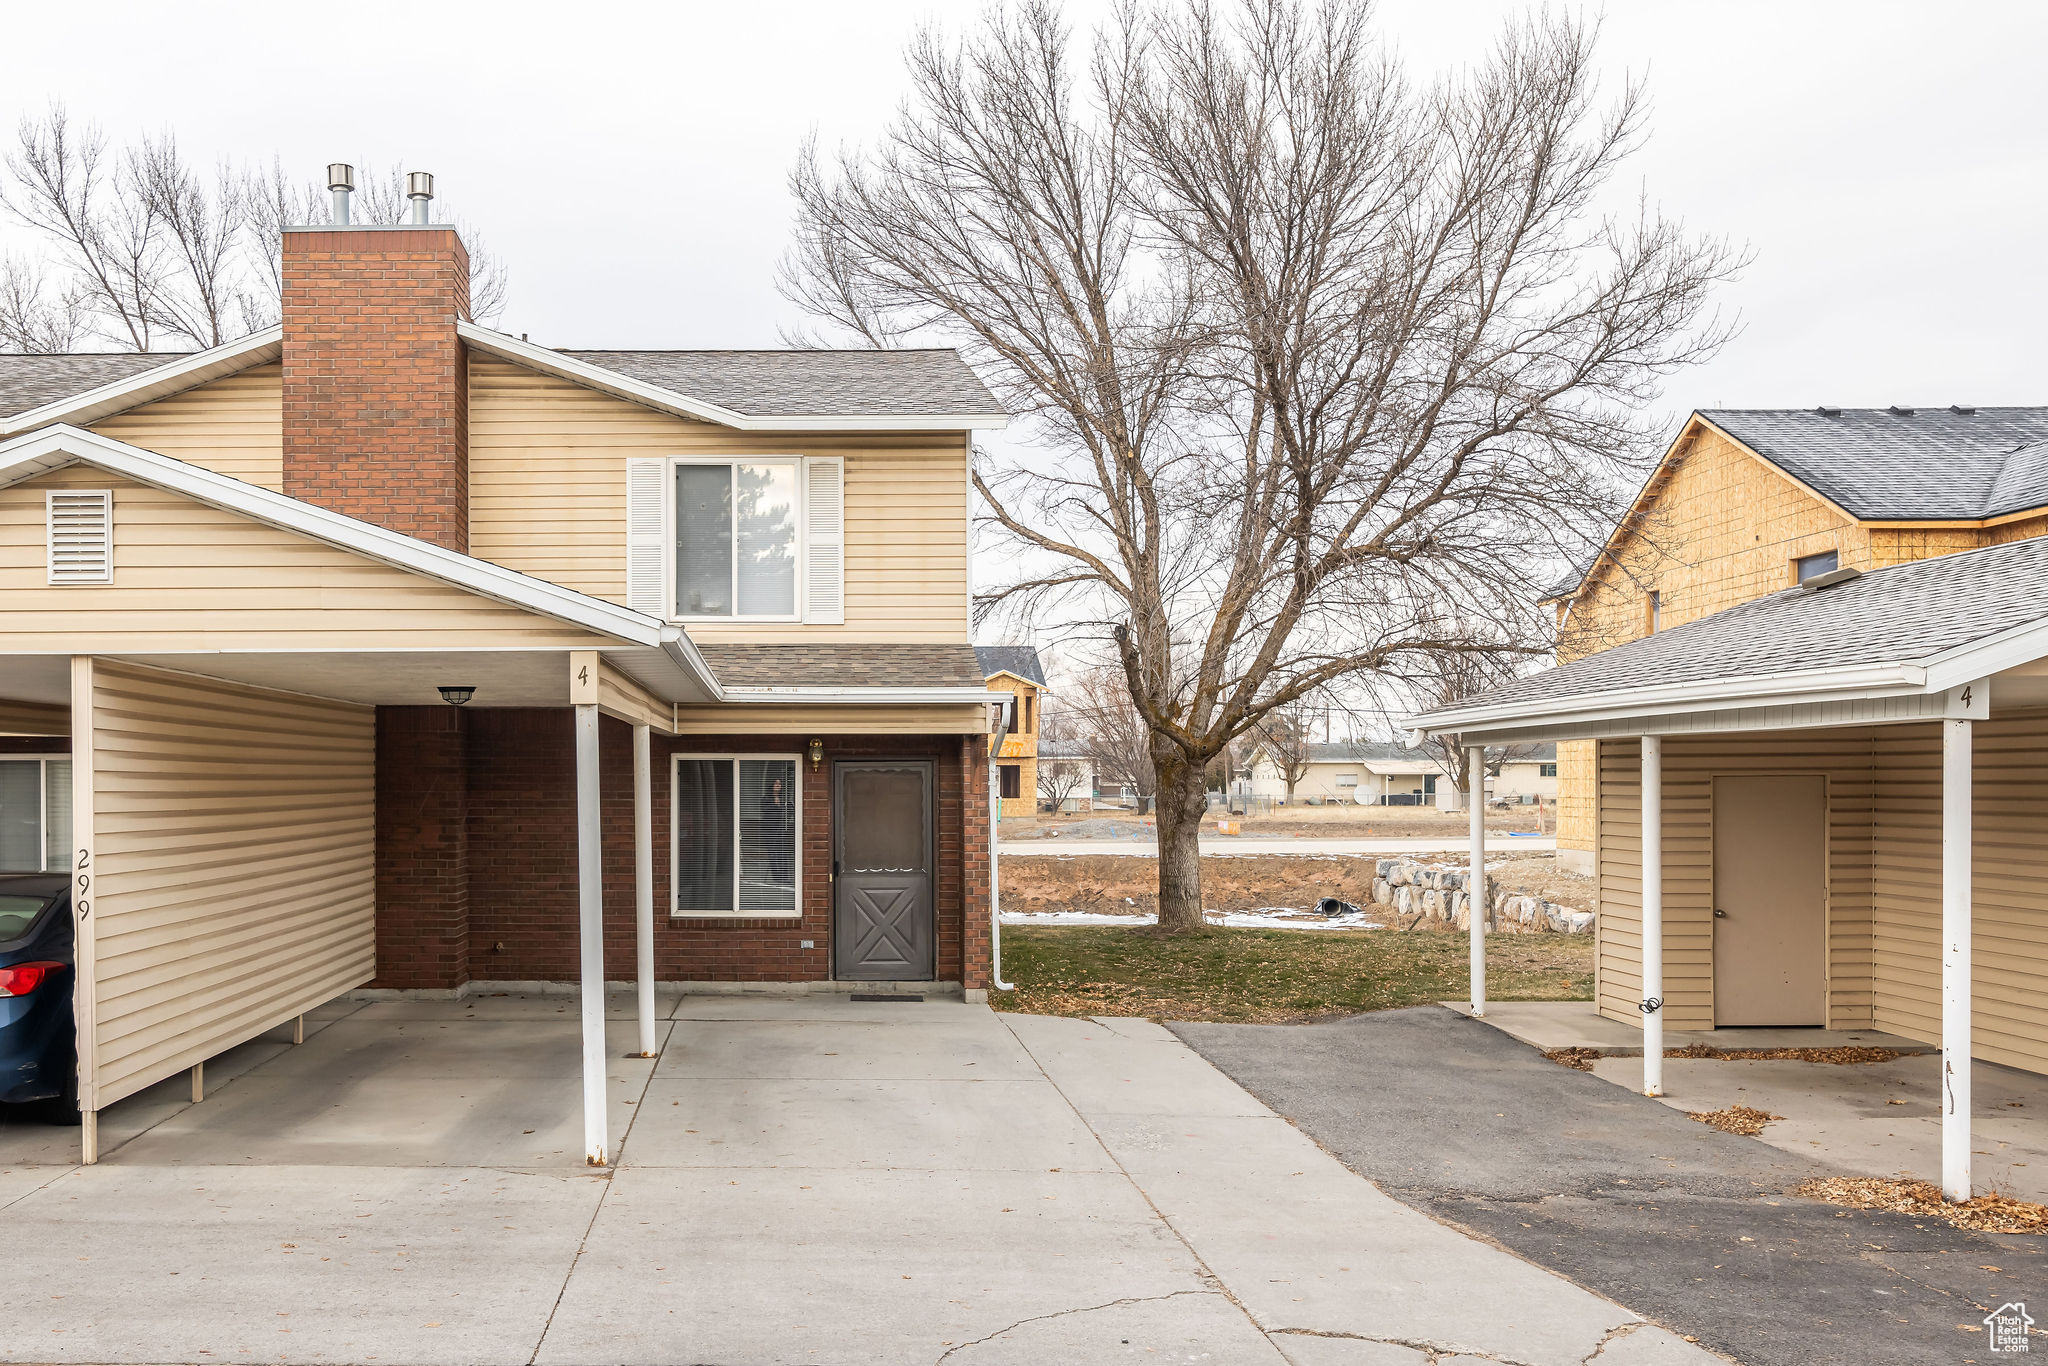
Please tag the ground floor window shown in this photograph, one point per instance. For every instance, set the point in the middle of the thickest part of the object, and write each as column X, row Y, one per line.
column 1012, row 779
column 35, row 813
column 737, row 828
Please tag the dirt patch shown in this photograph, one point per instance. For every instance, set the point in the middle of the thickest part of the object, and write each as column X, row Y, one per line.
column 1992, row 1213
column 1746, row 1120
column 1128, row 884
column 1538, row 875
column 1578, row 1059
column 1330, row 822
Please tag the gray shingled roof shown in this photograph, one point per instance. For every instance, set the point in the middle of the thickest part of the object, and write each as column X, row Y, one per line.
column 1885, row 465
column 31, row 381
column 808, row 383
column 1902, row 615
column 1021, row 660
column 852, row 666
column 755, row 383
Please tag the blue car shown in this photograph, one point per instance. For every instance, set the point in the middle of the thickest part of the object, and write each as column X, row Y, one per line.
column 38, row 1037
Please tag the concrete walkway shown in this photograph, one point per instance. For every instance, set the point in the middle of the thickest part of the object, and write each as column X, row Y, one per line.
column 800, row 1180
column 1497, row 845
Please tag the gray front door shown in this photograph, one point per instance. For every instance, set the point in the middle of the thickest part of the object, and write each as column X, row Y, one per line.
column 883, row 929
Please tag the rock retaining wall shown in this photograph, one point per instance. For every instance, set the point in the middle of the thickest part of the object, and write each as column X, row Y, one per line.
column 1410, row 888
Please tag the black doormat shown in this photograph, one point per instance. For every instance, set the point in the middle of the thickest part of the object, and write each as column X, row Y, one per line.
column 877, row 996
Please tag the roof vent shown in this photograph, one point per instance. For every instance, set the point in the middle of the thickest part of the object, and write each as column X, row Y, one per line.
column 1826, row 411
column 1961, row 411
column 1830, row 579
column 341, row 182
column 1896, row 411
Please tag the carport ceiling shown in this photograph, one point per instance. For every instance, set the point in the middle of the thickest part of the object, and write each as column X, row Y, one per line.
column 502, row 678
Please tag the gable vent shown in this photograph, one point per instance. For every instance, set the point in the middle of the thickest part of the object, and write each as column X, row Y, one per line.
column 81, row 528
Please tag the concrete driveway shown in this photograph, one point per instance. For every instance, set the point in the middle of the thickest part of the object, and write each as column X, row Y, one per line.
column 799, row 1180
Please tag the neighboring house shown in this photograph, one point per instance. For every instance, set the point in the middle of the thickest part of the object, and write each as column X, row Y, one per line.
column 1014, row 672
column 1068, row 775
column 1745, row 502
column 1841, row 782
column 1377, row 773
column 706, row 614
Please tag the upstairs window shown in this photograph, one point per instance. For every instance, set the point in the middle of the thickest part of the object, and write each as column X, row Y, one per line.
column 1811, row 566
column 1653, row 613
column 736, row 538
column 759, row 538
column 1546, row 770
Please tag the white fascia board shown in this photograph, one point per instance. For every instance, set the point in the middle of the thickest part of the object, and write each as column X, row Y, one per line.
column 889, row 696
column 1863, row 681
column 668, row 400
column 1981, row 658
column 173, row 377
column 27, row 456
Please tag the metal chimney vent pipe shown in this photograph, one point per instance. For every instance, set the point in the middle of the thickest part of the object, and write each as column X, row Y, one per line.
column 341, row 179
column 419, row 188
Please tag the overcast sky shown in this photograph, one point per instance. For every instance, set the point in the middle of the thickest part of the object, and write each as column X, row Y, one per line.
column 1885, row 162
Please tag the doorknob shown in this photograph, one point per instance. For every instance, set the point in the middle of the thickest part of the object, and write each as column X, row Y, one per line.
column 1720, row 914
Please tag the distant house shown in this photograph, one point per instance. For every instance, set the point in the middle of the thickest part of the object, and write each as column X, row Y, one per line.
column 1070, row 779
column 1014, row 669
column 1379, row 773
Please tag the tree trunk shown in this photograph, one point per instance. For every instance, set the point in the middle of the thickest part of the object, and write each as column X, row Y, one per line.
column 1182, row 802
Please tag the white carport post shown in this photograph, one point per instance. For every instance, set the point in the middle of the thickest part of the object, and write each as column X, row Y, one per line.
column 1653, row 915
column 590, row 914
column 643, row 881
column 1955, row 955
column 1475, row 882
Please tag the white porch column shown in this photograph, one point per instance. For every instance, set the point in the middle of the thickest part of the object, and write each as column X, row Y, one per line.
column 643, row 881
column 1475, row 883
column 590, row 915
column 1653, row 915
column 1955, row 958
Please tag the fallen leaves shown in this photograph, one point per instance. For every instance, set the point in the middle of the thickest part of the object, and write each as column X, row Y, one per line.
column 1578, row 1059
column 1990, row 1213
column 1746, row 1120
column 1845, row 1057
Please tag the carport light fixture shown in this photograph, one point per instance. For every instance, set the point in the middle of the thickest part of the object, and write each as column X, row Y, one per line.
column 455, row 694
column 816, row 749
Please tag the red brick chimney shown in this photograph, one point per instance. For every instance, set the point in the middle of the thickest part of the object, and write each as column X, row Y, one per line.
column 376, row 389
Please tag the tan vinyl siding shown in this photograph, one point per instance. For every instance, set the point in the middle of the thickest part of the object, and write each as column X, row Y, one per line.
column 747, row 718
column 34, row 718
column 233, row 834
column 233, row 426
column 189, row 576
column 1884, row 890
column 547, row 468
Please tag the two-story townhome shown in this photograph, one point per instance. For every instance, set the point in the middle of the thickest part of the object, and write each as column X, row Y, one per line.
column 1015, row 674
column 382, row 649
column 1746, row 502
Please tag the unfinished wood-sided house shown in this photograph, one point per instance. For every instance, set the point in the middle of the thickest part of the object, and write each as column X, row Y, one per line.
column 1746, row 501
column 1016, row 676
column 382, row 649
column 1824, row 807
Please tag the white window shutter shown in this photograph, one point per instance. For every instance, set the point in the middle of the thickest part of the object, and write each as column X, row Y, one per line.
column 81, row 531
column 646, row 555
column 825, row 540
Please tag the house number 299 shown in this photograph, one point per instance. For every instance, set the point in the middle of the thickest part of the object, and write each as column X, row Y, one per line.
column 84, row 880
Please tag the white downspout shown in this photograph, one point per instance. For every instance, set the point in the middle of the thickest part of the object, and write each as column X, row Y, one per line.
column 590, row 925
column 1653, row 915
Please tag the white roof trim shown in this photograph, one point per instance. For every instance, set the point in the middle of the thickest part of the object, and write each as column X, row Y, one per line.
column 670, row 401
column 1714, row 694
column 56, row 447
column 172, row 377
column 877, row 696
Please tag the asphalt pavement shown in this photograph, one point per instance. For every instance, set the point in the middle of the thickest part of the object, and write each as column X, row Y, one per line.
column 1689, row 1227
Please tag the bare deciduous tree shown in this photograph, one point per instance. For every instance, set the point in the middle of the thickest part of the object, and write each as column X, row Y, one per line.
column 1327, row 367
column 1060, row 779
column 149, row 253
column 1286, row 735
column 1450, row 676
column 1100, row 711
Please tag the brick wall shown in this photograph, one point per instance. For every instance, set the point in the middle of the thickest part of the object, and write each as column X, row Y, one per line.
column 376, row 393
column 423, row 866
column 519, row 804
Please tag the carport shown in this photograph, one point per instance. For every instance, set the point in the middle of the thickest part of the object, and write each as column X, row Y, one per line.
column 1900, row 719
column 219, row 696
